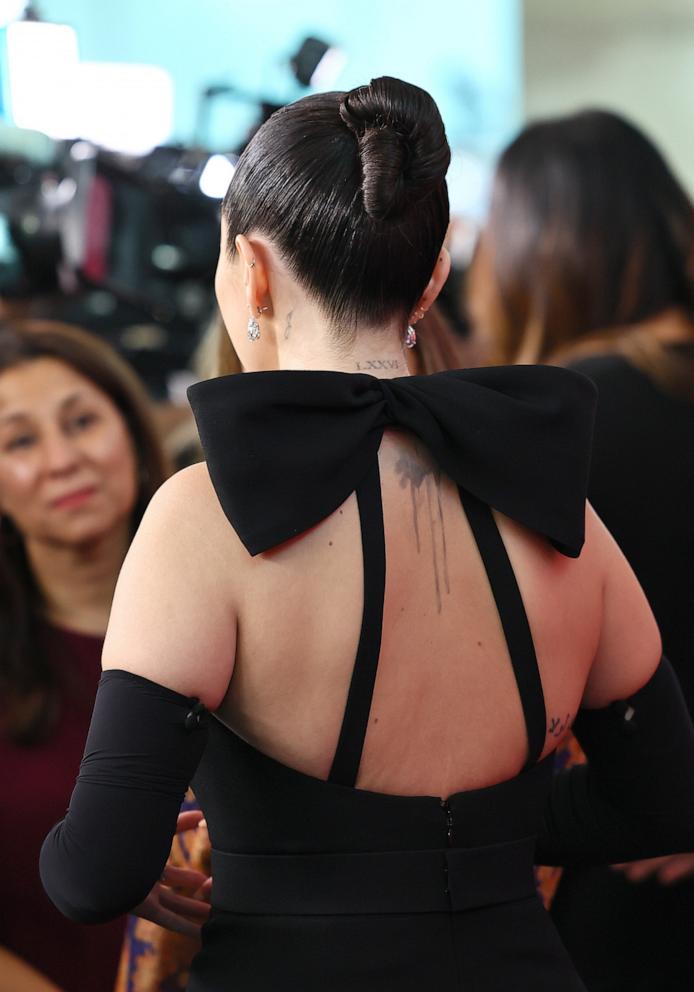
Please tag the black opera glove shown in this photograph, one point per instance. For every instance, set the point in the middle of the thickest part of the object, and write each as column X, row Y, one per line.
column 635, row 797
column 143, row 748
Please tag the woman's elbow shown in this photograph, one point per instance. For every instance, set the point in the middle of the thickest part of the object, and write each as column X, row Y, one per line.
column 84, row 892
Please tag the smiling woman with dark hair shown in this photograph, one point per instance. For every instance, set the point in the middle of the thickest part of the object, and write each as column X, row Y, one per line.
column 363, row 666
column 80, row 381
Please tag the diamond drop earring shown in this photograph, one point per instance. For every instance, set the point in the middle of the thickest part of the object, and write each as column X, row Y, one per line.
column 253, row 329
column 410, row 337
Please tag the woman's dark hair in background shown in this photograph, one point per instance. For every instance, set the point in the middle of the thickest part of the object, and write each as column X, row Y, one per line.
column 589, row 234
column 350, row 187
column 24, row 673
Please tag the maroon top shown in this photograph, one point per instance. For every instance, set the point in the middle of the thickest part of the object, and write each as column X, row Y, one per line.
column 35, row 786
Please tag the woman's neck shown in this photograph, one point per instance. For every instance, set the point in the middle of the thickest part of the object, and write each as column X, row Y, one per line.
column 305, row 343
column 76, row 583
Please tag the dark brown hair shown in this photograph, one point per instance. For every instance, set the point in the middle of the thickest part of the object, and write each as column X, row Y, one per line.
column 25, row 675
column 350, row 188
column 589, row 236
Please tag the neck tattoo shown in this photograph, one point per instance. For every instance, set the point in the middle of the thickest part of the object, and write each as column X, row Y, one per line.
column 379, row 365
column 288, row 325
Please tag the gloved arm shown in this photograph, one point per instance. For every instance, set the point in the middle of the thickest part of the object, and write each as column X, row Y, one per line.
column 143, row 747
column 635, row 797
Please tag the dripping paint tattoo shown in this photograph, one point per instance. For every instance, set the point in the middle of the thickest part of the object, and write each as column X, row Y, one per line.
column 413, row 473
column 418, row 472
column 378, row 365
column 288, row 325
column 558, row 726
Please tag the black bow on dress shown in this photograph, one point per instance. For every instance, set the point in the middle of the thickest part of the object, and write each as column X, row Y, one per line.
column 286, row 449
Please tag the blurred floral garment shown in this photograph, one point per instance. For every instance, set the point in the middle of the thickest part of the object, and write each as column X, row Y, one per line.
column 155, row 959
column 568, row 753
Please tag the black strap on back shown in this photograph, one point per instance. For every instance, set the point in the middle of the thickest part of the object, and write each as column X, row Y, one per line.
column 513, row 617
column 350, row 745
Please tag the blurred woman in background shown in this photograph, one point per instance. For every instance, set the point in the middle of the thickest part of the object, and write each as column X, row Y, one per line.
column 587, row 260
column 79, row 461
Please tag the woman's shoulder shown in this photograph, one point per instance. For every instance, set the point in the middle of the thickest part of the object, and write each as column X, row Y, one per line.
column 173, row 614
column 193, row 481
column 189, row 498
column 184, row 518
column 615, row 368
column 658, row 390
column 606, row 366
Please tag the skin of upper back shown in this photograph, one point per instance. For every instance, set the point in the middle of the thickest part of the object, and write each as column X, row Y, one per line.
column 269, row 642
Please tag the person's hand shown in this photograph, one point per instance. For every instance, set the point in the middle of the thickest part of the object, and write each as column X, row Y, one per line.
column 667, row 870
column 171, row 909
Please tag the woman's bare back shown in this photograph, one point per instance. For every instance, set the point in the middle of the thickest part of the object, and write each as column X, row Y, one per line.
column 268, row 641
column 446, row 713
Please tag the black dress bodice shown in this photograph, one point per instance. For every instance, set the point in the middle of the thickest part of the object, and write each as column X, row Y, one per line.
column 287, row 845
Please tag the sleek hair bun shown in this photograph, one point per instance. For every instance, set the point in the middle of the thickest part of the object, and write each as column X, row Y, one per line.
column 403, row 149
column 351, row 190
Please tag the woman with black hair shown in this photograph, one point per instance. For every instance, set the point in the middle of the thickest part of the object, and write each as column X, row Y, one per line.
column 364, row 667
column 587, row 260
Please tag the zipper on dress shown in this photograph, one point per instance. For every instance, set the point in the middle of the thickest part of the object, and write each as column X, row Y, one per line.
column 448, row 812
column 446, row 807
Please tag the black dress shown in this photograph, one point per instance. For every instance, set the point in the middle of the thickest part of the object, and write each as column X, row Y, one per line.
column 319, row 885
column 413, row 887
column 622, row 935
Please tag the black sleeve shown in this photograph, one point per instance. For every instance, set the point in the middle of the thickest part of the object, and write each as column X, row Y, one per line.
column 635, row 797
column 143, row 747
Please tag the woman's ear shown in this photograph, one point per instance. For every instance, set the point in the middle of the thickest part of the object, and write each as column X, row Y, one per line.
column 438, row 278
column 255, row 275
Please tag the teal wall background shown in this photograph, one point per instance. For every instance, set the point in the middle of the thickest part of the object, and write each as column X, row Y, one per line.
column 467, row 53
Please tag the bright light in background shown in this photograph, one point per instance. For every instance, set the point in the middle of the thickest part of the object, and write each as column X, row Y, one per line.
column 469, row 180
column 124, row 107
column 40, row 58
column 57, row 195
column 11, row 10
column 329, row 68
column 216, row 176
column 82, row 151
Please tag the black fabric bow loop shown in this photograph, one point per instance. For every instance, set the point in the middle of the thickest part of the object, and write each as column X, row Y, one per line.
column 286, row 449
